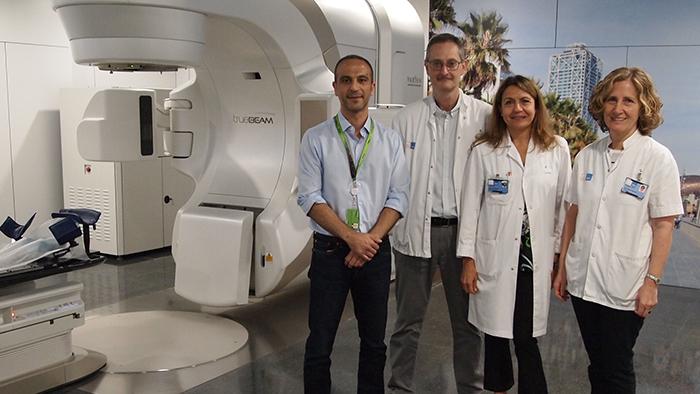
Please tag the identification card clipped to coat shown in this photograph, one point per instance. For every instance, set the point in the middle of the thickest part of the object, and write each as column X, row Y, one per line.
column 635, row 188
column 497, row 185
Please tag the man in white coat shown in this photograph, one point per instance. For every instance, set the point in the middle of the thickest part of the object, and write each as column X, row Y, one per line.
column 437, row 134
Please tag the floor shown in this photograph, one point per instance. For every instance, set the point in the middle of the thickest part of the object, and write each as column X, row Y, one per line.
column 682, row 268
column 667, row 352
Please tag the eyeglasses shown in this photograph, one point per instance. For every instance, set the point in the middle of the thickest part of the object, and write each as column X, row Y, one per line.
column 437, row 65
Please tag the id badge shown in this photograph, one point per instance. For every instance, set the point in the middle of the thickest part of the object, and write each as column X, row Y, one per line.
column 635, row 188
column 352, row 218
column 495, row 185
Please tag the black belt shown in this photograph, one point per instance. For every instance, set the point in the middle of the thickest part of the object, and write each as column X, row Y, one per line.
column 325, row 237
column 443, row 221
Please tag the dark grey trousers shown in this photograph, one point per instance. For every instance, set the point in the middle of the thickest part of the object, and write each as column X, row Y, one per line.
column 413, row 285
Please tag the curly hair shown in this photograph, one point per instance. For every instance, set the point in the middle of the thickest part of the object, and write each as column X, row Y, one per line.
column 496, row 131
column 649, row 101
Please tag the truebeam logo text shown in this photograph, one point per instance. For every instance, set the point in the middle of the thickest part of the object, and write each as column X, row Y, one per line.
column 253, row 119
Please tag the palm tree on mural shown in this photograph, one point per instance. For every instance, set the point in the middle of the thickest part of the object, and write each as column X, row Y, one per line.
column 565, row 115
column 484, row 40
column 441, row 13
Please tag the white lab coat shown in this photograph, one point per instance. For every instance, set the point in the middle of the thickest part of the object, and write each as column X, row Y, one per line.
column 608, row 256
column 416, row 124
column 490, row 228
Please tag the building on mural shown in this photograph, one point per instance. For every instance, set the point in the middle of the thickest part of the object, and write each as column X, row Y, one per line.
column 573, row 74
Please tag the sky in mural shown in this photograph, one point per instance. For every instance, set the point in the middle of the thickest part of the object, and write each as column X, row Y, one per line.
column 662, row 37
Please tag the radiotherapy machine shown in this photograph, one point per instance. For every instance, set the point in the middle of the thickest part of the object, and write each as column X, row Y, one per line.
column 260, row 74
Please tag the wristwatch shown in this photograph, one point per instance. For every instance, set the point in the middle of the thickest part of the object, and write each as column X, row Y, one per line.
column 653, row 278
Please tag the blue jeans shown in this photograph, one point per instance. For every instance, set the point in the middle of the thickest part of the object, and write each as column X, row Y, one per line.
column 330, row 282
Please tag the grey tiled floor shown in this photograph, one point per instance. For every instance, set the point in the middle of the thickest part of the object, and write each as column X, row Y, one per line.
column 667, row 352
column 683, row 267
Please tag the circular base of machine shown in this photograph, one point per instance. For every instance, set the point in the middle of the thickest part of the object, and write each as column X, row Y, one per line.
column 159, row 341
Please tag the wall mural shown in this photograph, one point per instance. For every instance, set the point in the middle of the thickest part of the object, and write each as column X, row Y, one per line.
column 568, row 46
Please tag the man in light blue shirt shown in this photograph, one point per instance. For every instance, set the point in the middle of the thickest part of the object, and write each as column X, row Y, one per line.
column 353, row 183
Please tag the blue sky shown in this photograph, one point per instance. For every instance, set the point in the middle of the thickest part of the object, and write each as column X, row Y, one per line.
column 663, row 37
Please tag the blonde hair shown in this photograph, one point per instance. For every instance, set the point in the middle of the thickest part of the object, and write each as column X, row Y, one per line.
column 496, row 131
column 649, row 101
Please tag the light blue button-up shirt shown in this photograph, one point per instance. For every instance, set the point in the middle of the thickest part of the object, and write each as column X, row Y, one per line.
column 324, row 172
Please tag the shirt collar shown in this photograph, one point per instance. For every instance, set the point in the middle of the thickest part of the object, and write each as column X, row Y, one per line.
column 629, row 142
column 508, row 142
column 435, row 110
column 347, row 127
column 512, row 151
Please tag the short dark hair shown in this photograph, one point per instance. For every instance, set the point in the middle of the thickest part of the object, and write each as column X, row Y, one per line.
column 355, row 57
column 443, row 38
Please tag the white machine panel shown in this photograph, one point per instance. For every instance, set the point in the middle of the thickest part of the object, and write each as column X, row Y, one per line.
column 212, row 251
column 166, row 36
column 138, row 199
column 253, row 140
column 120, row 125
column 401, row 45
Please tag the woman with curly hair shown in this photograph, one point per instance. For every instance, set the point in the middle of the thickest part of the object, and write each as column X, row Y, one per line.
column 624, row 195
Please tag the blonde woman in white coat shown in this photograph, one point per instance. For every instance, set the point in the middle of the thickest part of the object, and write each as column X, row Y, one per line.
column 512, row 216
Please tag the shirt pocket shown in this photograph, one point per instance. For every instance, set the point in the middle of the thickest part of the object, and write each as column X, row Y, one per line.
column 624, row 276
column 629, row 200
column 495, row 197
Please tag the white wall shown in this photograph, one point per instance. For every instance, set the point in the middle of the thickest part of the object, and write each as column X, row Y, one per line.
column 35, row 63
column 34, row 126
column 7, row 205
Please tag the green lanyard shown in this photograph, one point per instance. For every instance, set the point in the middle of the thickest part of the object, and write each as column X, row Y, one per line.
column 351, row 162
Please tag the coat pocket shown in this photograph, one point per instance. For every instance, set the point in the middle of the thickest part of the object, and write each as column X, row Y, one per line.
column 576, row 264
column 625, row 275
column 486, row 264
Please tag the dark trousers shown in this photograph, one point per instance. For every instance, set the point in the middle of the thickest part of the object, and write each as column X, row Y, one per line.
column 331, row 281
column 498, row 365
column 609, row 336
column 413, row 285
